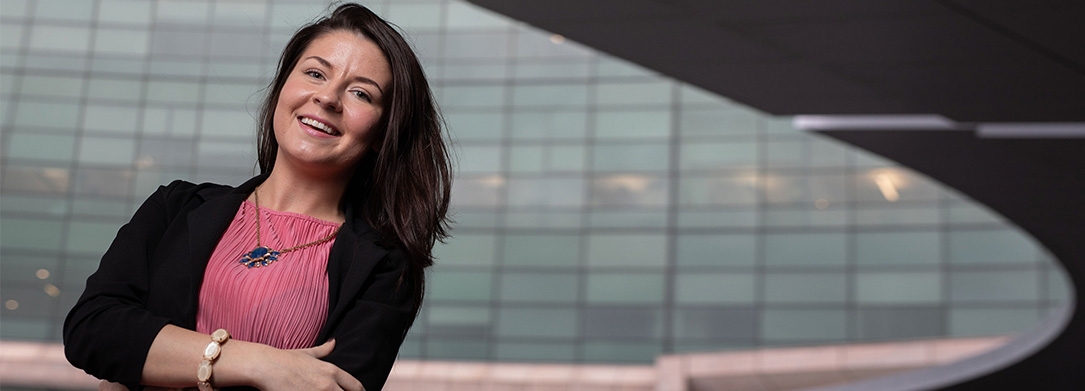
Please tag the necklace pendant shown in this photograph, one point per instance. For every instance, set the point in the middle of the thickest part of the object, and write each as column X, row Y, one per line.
column 259, row 257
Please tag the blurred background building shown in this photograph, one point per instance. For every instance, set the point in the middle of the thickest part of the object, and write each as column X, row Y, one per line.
column 606, row 214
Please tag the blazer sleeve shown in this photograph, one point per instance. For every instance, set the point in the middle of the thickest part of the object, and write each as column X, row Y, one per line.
column 109, row 330
column 368, row 338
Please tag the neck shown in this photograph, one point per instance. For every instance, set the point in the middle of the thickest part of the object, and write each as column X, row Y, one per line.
column 316, row 197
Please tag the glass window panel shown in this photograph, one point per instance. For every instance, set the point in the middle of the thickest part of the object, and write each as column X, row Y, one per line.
column 548, row 192
column 106, row 182
column 38, row 179
column 608, row 66
column 452, row 97
column 33, row 302
column 291, row 15
column 549, row 351
column 625, row 288
column 538, row 287
column 103, row 150
column 897, row 214
column 90, row 237
column 550, row 95
column 990, row 246
column 537, row 322
column 898, row 248
column 457, row 348
column 627, row 250
column 805, row 249
column 694, row 218
column 460, row 45
column 717, row 121
column 532, row 43
column 24, row 328
column 964, row 213
column 611, row 352
column 716, row 250
column 466, row 249
column 224, row 154
column 237, row 44
column 634, row 93
column 173, row 92
column 15, row 8
column 64, row 116
column 169, row 121
column 901, row 323
column 622, row 323
column 111, row 119
column 125, row 42
column 61, row 9
column 549, row 124
column 59, row 148
column 31, row 234
column 796, row 326
column 124, row 11
column 630, row 190
column 631, row 157
column 228, row 123
column 893, row 184
column 641, row 124
column 474, row 125
column 716, row 323
column 475, row 159
column 548, row 219
column 965, row 322
column 52, row 86
column 716, row 155
column 459, row 320
column 413, row 16
column 898, row 288
column 526, row 159
column 463, row 15
column 806, row 288
column 714, row 288
column 64, row 62
column 20, row 268
column 461, row 285
column 177, row 68
column 566, row 158
column 805, row 216
column 473, row 71
column 219, row 93
column 994, row 286
column 165, row 151
column 167, row 42
column 718, row 190
column 101, row 208
column 628, row 218
column 480, row 191
column 241, row 14
column 54, row 206
column 562, row 70
column 807, row 189
column 126, row 90
column 541, row 250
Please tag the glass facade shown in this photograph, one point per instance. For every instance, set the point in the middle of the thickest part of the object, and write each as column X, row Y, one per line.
column 605, row 213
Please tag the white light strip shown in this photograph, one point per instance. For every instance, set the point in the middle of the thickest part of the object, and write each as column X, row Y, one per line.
column 1031, row 130
column 873, row 122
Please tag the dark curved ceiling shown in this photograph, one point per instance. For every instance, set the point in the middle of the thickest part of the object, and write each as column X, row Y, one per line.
column 967, row 60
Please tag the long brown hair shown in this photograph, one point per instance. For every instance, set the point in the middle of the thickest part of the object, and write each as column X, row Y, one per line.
column 402, row 185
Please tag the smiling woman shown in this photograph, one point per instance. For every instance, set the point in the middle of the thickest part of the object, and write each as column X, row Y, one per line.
column 305, row 277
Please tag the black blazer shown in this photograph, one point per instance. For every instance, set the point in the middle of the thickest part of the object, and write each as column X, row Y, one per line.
column 151, row 275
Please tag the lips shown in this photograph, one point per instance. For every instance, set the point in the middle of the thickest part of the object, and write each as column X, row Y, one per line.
column 323, row 127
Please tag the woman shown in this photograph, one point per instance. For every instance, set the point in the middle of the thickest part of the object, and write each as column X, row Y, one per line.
column 314, row 270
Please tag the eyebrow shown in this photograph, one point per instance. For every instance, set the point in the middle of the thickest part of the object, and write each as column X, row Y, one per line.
column 362, row 79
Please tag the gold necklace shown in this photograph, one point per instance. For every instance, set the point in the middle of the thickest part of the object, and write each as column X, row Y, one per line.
column 263, row 255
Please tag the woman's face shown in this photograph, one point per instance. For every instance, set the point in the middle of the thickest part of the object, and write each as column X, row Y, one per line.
column 330, row 103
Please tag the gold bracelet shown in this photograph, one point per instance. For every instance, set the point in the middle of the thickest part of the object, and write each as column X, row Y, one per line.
column 210, row 354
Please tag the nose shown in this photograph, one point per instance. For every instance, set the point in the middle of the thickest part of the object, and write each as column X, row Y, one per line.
column 328, row 98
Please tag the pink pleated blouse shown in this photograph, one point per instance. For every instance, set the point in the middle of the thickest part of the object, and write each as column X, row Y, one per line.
column 284, row 304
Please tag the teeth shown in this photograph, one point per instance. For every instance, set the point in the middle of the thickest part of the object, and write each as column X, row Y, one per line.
column 317, row 124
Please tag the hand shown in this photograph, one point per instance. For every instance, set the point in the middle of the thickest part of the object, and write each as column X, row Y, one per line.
column 302, row 369
column 107, row 385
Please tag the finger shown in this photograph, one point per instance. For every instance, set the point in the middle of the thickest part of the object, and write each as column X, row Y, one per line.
column 348, row 382
column 322, row 350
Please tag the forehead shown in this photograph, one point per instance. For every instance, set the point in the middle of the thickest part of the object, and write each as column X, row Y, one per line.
column 350, row 53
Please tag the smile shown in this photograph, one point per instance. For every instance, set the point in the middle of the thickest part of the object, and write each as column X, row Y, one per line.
column 320, row 126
